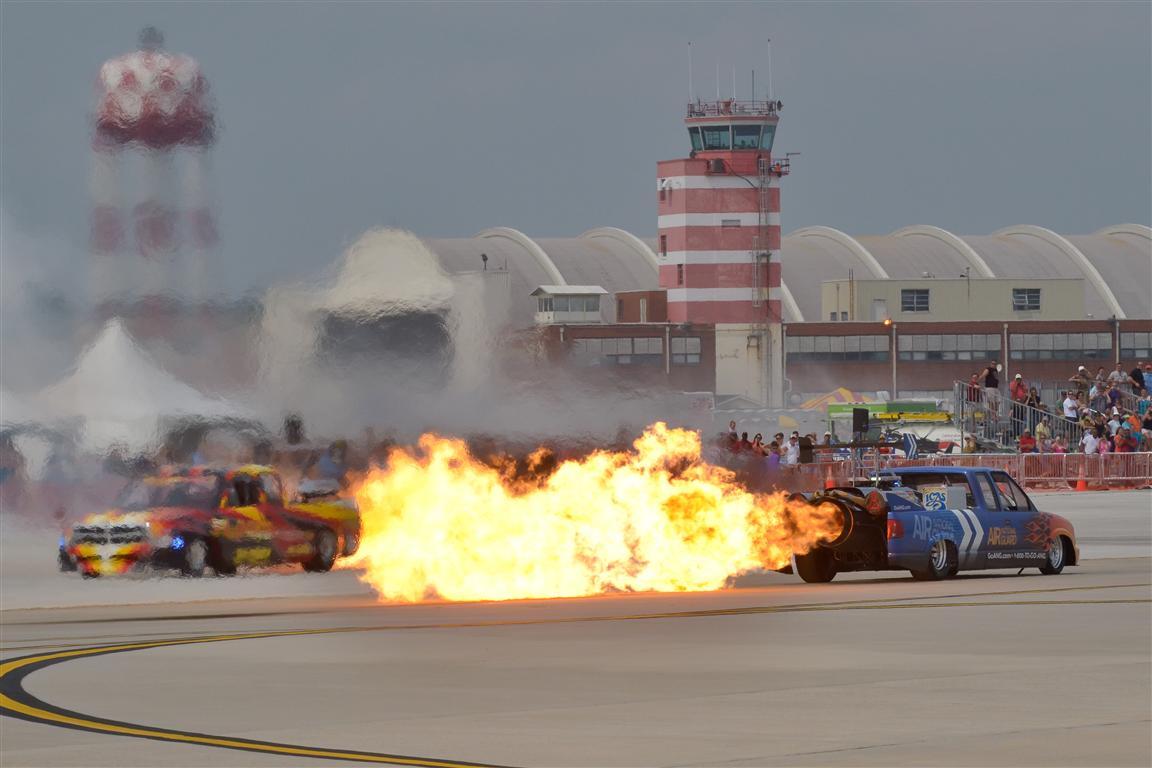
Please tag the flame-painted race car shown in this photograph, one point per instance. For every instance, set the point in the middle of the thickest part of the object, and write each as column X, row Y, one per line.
column 936, row 521
column 205, row 518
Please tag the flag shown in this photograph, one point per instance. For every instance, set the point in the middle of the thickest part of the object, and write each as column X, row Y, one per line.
column 911, row 450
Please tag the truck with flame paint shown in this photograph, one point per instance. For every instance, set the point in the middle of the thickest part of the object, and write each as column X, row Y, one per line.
column 935, row 522
column 207, row 518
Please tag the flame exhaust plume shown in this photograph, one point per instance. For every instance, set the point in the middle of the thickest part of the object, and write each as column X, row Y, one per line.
column 440, row 523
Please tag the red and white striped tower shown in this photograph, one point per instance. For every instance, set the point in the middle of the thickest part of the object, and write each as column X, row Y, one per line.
column 151, row 104
column 719, row 245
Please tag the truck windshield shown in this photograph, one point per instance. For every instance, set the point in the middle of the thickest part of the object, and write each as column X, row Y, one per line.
column 177, row 492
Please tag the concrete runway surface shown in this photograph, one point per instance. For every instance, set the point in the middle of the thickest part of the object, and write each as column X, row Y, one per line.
column 874, row 669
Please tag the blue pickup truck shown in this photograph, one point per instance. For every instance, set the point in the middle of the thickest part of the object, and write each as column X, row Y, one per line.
column 935, row 522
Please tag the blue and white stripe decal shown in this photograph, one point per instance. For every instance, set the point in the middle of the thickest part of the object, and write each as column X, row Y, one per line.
column 966, row 537
column 972, row 551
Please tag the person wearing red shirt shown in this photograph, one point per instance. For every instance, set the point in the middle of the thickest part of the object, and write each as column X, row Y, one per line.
column 1027, row 443
column 1125, row 443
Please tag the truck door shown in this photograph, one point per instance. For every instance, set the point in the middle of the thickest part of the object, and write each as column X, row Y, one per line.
column 1030, row 545
column 1002, row 523
column 247, row 530
column 292, row 542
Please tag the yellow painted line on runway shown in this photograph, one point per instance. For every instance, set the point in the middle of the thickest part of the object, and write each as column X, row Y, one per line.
column 15, row 701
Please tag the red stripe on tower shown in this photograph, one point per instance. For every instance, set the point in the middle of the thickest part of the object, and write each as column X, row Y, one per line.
column 719, row 217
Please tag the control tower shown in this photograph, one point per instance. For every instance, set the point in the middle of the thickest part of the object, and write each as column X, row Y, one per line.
column 719, row 244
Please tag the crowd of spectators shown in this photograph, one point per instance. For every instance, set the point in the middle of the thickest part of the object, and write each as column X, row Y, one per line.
column 777, row 452
column 1111, row 411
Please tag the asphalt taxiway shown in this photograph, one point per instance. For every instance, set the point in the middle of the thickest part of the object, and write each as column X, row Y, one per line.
column 988, row 669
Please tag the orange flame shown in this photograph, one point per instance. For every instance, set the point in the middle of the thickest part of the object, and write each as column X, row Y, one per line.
column 437, row 522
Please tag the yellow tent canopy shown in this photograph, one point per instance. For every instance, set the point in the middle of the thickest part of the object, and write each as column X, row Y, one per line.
column 839, row 395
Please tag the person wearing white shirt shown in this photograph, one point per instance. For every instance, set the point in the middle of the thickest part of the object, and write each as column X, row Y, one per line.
column 1071, row 411
column 792, row 452
column 1089, row 443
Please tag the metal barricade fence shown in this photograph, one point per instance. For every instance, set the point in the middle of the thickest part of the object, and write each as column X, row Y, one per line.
column 1036, row 470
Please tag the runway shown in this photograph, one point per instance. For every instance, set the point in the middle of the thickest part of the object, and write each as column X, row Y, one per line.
column 988, row 669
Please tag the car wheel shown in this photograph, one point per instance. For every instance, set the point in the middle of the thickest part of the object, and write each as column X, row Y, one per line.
column 325, row 547
column 1057, row 557
column 351, row 542
column 195, row 558
column 816, row 567
column 67, row 564
column 224, row 559
column 941, row 562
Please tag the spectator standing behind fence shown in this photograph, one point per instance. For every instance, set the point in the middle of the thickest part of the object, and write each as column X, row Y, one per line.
column 1018, row 392
column 1043, row 432
column 1125, row 443
column 792, row 451
column 1081, row 379
column 1071, row 407
column 1089, row 443
column 1144, row 403
column 974, row 388
column 1136, row 379
column 1026, row 443
column 1059, row 445
column 991, row 387
column 1118, row 378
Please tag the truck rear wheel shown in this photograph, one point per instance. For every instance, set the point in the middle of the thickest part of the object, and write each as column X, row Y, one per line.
column 942, row 562
column 816, row 566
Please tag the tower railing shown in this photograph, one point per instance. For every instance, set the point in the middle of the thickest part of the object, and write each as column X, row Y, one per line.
column 726, row 107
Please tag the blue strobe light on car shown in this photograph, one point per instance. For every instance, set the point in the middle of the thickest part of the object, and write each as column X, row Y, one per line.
column 177, row 542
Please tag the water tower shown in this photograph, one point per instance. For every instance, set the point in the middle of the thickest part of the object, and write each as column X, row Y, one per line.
column 719, row 245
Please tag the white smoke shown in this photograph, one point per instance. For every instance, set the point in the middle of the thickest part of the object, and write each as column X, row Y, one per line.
column 40, row 301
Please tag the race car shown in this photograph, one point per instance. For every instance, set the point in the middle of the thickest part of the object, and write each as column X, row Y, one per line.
column 935, row 522
column 206, row 518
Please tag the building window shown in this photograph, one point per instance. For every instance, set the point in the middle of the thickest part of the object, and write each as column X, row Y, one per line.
column 729, row 222
column 663, row 194
column 949, row 346
column 1135, row 346
column 843, row 316
column 914, row 300
column 1062, row 346
column 544, row 304
column 685, row 350
column 832, row 316
column 664, row 246
column 679, row 274
column 1025, row 299
column 836, row 348
column 647, row 350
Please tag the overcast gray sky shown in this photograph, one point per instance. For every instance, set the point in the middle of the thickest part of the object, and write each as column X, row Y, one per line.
column 449, row 118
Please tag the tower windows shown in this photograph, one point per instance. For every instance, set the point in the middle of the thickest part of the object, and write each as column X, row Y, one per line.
column 664, row 246
column 697, row 144
column 746, row 137
column 679, row 274
column 716, row 136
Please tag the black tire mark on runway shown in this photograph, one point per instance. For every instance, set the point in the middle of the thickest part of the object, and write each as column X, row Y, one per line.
column 50, row 642
column 17, row 702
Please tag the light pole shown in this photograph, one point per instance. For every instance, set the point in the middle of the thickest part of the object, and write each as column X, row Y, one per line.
column 888, row 322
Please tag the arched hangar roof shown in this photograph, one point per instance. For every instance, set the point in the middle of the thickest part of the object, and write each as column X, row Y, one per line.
column 1115, row 262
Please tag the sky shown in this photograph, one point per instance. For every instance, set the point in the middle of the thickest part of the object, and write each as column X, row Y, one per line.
column 446, row 119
